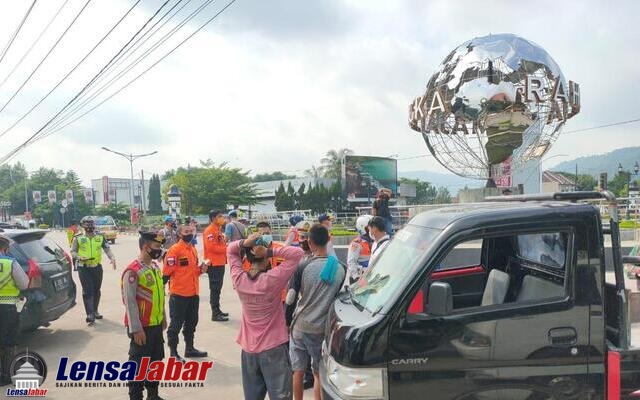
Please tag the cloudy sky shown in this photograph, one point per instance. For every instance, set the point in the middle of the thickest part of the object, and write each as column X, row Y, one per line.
column 272, row 85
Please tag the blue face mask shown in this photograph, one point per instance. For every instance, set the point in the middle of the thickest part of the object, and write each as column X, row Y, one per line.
column 265, row 240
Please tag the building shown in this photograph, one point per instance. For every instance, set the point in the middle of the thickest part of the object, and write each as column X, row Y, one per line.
column 117, row 190
column 267, row 191
column 27, row 377
column 555, row 182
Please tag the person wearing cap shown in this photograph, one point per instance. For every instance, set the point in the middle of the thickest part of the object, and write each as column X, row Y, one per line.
column 13, row 279
column 235, row 229
column 87, row 248
column 215, row 250
column 327, row 221
column 145, row 317
column 170, row 232
column 182, row 270
column 72, row 231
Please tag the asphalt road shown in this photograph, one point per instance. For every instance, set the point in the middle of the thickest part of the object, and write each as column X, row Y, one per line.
column 107, row 340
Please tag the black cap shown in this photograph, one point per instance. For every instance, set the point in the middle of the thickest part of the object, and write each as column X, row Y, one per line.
column 153, row 236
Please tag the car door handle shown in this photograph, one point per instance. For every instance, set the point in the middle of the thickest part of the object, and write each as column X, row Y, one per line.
column 562, row 337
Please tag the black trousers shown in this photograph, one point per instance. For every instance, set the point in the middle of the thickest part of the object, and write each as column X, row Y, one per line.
column 91, row 281
column 184, row 316
column 216, row 278
column 9, row 321
column 154, row 349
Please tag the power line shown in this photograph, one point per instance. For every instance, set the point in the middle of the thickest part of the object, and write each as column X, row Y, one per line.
column 46, row 56
column 33, row 137
column 23, row 116
column 34, row 43
column 141, row 74
column 15, row 34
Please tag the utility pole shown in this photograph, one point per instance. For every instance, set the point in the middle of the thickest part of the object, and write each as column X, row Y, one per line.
column 576, row 184
column 142, row 199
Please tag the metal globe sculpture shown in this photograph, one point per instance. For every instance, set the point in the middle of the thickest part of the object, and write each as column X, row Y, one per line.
column 495, row 99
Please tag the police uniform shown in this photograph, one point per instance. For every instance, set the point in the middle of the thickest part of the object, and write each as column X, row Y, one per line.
column 182, row 269
column 143, row 298
column 88, row 251
column 12, row 280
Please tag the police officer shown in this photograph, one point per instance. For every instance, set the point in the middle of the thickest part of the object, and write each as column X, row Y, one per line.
column 12, row 280
column 87, row 249
column 169, row 231
column 359, row 250
column 145, row 318
column 182, row 269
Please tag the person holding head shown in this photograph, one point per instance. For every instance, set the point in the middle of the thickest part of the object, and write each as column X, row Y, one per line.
column 145, row 316
column 182, row 270
column 13, row 279
column 359, row 250
column 170, row 231
column 87, row 248
column 327, row 221
column 235, row 230
column 263, row 335
column 215, row 250
column 322, row 277
column 377, row 231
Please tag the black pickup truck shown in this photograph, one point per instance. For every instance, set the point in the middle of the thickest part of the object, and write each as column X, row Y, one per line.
column 508, row 299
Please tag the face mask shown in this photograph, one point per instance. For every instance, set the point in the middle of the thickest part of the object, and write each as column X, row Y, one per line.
column 187, row 238
column 155, row 253
column 89, row 229
column 265, row 240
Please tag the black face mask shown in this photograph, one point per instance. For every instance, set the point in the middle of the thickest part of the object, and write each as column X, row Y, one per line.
column 89, row 229
column 187, row 238
column 155, row 253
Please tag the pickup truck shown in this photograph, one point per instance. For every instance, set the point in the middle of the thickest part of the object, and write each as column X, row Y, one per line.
column 506, row 299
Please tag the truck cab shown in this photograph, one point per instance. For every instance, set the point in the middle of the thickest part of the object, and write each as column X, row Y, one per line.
column 499, row 300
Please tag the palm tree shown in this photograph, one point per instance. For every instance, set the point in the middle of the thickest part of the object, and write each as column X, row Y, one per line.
column 313, row 172
column 332, row 162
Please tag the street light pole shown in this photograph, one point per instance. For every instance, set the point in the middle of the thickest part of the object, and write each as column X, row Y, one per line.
column 131, row 158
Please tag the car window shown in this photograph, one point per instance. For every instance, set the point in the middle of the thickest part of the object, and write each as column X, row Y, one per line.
column 41, row 250
column 548, row 249
column 465, row 254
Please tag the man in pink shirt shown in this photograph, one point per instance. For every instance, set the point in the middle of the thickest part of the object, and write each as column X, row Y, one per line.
column 263, row 334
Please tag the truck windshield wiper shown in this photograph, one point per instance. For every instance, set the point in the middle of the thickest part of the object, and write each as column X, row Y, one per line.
column 359, row 306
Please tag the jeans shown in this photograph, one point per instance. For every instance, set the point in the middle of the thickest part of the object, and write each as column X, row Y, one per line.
column 216, row 278
column 388, row 225
column 184, row 315
column 267, row 372
column 91, row 281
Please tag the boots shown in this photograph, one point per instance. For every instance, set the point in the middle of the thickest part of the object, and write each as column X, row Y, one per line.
column 6, row 357
column 152, row 394
column 218, row 316
column 191, row 351
column 173, row 352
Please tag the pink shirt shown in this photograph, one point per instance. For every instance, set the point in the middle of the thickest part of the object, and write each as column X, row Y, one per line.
column 263, row 326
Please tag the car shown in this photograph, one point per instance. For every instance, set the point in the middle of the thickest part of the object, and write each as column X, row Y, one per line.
column 107, row 227
column 52, row 291
column 508, row 299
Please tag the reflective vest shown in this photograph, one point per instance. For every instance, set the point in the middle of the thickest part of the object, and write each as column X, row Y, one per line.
column 90, row 247
column 149, row 294
column 365, row 251
column 8, row 286
column 70, row 235
column 296, row 236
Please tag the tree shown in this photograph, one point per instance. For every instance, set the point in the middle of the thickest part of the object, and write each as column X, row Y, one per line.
column 213, row 186
column 443, row 196
column 274, row 176
column 585, row 181
column 119, row 212
column 155, row 197
column 426, row 193
column 281, row 195
column 332, row 162
column 301, row 199
column 313, row 172
column 618, row 185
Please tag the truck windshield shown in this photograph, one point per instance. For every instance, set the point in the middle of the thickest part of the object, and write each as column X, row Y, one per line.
column 104, row 221
column 394, row 268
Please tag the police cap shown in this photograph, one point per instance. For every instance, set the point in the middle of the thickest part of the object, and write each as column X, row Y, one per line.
column 152, row 236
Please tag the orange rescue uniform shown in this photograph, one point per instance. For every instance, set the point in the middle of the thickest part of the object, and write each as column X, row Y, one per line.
column 182, row 267
column 214, row 246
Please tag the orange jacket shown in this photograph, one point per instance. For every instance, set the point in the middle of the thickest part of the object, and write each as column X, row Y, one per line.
column 181, row 266
column 214, row 246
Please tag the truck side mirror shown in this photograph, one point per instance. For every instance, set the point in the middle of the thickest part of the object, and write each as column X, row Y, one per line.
column 440, row 299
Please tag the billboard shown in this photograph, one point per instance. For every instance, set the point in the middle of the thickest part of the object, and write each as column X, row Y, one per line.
column 363, row 176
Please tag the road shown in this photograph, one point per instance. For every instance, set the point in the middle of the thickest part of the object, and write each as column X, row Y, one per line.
column 107, row 340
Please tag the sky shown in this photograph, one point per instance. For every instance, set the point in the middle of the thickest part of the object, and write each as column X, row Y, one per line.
column 272, row 85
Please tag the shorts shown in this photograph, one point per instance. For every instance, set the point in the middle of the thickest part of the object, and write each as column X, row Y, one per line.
column 304, row 347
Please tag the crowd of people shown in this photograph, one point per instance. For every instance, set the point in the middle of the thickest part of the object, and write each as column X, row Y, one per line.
column 285, row 290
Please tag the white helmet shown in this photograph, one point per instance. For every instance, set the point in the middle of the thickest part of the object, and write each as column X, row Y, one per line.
column 362, row 222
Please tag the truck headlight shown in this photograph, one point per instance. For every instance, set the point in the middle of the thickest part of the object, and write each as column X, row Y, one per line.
column 356, row 383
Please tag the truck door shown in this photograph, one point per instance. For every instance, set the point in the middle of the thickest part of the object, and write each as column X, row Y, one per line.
column 525, row 339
